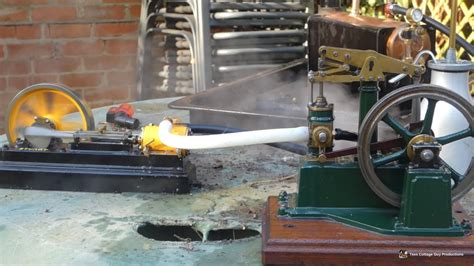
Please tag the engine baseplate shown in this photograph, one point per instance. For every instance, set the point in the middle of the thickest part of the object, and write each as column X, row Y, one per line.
column 94, row 169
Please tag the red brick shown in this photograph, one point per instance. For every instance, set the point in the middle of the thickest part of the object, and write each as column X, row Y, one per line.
column 7, row 32
column 48, row 14
column 65, row 64
column 3, row 84
column 67, row 2
column 83, row 48
column 116, row 29
column 17, row 83
column 19, row 67
column 24, row 2
column 2, row 52
column 121, row 78
column 25, row 32
column 106, row 62
column 30, row 50
column 81, row 79
column 70, row 30
column 103, row 95
column 104, row 12
column 43, row 78
column 119, row 94
column 123, row 47
column 99, row 103
column 6, row 96
column 13, row 14
column 20, row 32
column 135, row 11
column 133, row 93
column 133, row 63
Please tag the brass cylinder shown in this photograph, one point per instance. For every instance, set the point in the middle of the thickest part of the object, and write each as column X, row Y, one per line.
column 151, row 142
column 452, row 27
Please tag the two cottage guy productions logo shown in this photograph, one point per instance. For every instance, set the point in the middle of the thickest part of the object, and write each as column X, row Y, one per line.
column 403, row 254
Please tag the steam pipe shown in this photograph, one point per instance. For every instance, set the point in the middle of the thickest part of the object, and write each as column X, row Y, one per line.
column 230, row 140
column 216, row 129
column 396, row 9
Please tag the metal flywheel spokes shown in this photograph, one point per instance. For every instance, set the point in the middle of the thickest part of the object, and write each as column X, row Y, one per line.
column 433, row 95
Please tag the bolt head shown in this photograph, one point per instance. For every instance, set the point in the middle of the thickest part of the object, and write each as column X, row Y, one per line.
column 427, row 155
column 323, row 137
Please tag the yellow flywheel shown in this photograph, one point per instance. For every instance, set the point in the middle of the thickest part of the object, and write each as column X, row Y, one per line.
column 51, row 105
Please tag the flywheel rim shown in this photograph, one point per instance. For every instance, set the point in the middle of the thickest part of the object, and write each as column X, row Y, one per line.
column 380, row 109
column 21, row 113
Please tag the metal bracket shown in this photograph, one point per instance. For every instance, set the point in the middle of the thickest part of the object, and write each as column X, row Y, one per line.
column 371, row 65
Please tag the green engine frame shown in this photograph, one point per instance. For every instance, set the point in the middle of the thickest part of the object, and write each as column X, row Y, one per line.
column 336, row 190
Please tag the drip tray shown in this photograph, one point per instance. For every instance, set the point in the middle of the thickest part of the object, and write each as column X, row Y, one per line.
column 270, row 99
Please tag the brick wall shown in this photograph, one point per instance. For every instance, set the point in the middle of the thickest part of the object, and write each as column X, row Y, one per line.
column 88, row 45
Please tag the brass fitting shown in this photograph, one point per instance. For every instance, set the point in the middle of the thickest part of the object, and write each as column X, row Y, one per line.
column 150, row 142
column 322, row 137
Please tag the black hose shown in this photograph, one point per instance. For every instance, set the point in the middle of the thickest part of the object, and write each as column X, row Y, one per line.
column 216, row 129
column 345, row 135
column 396, row 9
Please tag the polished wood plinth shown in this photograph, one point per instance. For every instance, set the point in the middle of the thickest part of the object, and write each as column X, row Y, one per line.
column 323, row 242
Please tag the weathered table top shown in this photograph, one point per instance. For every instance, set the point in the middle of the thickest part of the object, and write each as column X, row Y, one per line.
column 47, row 227
column 50, row 227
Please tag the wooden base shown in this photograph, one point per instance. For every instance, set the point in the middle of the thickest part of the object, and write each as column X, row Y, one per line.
column 323, row 242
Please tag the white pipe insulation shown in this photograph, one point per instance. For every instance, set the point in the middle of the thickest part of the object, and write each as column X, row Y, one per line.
column 231, row 139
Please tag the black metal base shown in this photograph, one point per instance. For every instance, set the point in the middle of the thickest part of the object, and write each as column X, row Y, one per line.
column 94, row 171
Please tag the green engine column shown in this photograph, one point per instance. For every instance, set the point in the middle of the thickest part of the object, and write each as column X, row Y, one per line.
column 369, row 95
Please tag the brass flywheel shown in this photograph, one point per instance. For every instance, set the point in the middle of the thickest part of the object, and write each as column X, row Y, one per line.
column 47, row 105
